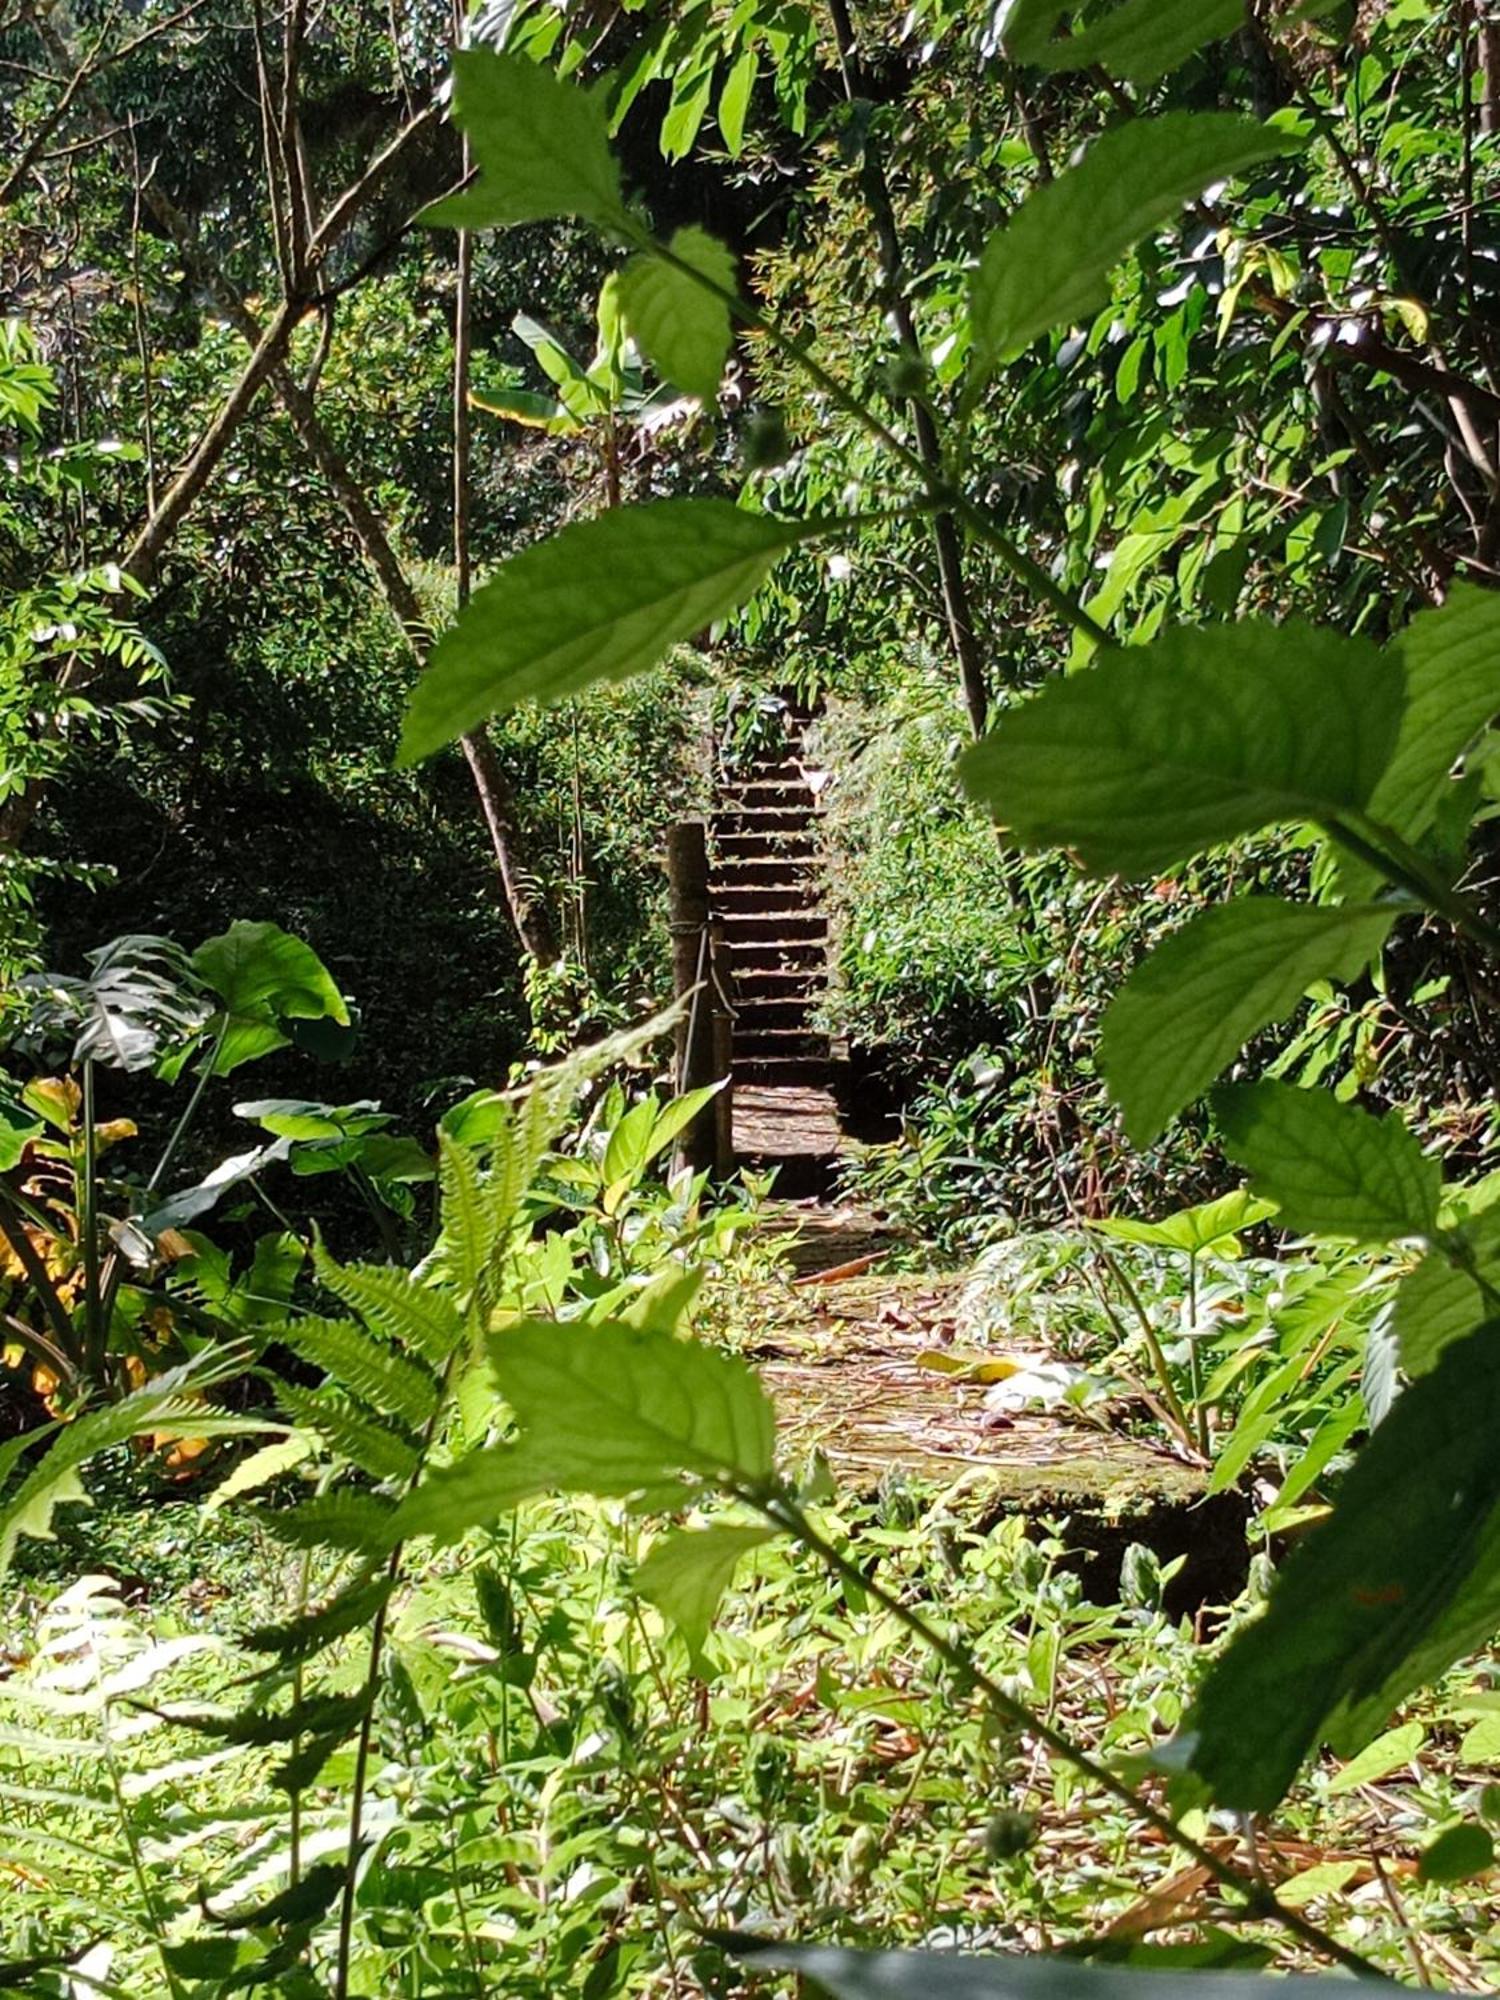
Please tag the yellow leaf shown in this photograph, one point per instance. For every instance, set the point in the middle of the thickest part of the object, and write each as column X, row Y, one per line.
column 969, row 1367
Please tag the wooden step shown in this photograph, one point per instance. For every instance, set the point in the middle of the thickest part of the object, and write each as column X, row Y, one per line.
column 756, row 1017
column 776, row 927
column 769, row 1044
column 777, row 982
column 750, row 899
column 797, row 1072
column 756, row 789
column 771, row 871
column 740, row 847
column 762, row 820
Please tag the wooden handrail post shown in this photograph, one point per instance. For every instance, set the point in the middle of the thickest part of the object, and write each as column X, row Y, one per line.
column 721, row 993
column 687, row 905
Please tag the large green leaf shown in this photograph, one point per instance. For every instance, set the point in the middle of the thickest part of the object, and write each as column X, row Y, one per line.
column 1159, row 751
column 1440, row 1302
column 1187, row 1010
column 600, row 600
column 542, row 147
column 265, row 977
column 1208, row 1226
column 253, row 966
column 945, row 1975
column 1452, row 662
column 1049, row 265
column 614, row 1409
column 682, row 329
column 1401, row 1581
column 686, row 1574
column 1141, row 40
column 1332, row 1169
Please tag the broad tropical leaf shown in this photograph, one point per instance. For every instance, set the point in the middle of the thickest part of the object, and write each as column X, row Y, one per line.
column 265, row 978
column 682, row 329
column 1400, row 1582
column 1160, row 751
column 614, row 1409
column 1049, row 265
column 1209, row 1226
column 542, row 146
column 1332, row 1169
column 1186, row 1011
column 601, row 600
column 687, row 1572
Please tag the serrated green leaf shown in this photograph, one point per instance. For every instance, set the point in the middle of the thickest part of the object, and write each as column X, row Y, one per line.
column 683, row 330
column 614, row 1409
column 1159, row 751
column 1142, row 40
column 1439, row 1302
column 373, row 1447
column 357, row 1523
column 169, row 1407
column 1027, row 27
column 1402, row 1580
column 686, row 1573
column 1185, row 1013
column 471, row 1493
column 1332, row 1169
column 598, row 601
column 1452, row 662
column 1049, row 265
column 542, row 147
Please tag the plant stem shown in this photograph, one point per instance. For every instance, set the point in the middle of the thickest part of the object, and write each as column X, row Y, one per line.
column 975, row 518
column 1260, row 1902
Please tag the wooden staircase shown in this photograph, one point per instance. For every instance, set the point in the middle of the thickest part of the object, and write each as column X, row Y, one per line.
column 766, row 884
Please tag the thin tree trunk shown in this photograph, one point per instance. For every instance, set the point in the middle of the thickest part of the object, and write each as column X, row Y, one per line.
column 269, row 348
column 948, row 546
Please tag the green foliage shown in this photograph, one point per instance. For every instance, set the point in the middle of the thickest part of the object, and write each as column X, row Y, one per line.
column 1188, row 1009
column 1161, row 751
column 682, row 329
column 658, row 574
column 542, row 147
column 1397, row 1586
column 1332, row 1169
column 1049, row 265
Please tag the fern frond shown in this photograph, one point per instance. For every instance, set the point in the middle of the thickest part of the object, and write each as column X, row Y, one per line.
column 468, row 1229
column 167, row 1405
column 366, row 1367
column 372, row 1446
column 348, row 1520
column 310, row 1631
column 316, row 1714
column 410, row 1314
